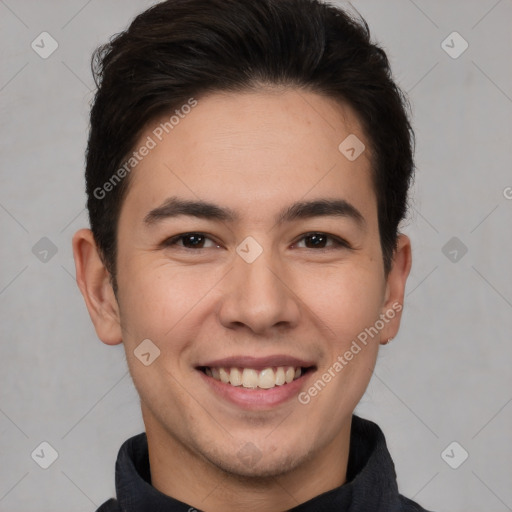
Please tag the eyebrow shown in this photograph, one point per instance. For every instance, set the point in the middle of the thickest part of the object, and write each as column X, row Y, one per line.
column 174, row 207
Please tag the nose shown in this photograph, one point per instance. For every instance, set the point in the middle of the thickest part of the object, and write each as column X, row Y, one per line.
column 259, row 296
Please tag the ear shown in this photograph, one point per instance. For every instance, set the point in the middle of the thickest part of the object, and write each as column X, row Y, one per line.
column 93, row 279
column 392, row 308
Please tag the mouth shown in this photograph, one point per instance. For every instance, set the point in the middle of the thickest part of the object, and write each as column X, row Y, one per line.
column 256, row 383
column 256, row 378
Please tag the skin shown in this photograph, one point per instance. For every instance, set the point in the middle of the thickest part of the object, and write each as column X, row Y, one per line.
column 254, row 152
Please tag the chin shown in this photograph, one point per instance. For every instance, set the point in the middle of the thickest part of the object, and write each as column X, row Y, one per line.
column 250, row 462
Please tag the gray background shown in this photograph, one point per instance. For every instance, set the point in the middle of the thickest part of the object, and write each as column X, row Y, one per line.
column 445, row 378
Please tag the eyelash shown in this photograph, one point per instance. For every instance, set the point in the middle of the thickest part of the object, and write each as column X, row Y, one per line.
column 338, row 243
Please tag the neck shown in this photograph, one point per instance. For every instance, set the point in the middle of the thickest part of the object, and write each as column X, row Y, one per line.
column 188, row 477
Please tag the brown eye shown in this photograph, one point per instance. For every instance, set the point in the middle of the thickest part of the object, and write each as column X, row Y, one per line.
column 316, row 240
column 193, row 241
column 321, row 241
column 190, row 241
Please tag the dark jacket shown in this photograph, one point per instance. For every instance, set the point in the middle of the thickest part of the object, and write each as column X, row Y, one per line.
column 371, row 480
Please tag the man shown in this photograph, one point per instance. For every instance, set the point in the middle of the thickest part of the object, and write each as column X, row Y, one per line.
column 247, row 168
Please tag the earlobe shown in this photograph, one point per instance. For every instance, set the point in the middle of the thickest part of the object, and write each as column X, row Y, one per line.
column 93, row 280
column 395, row 289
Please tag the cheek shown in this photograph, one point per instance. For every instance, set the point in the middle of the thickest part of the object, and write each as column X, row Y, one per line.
column 145, row 300
column 349, row 305
column 346, row 299
column 158, row 300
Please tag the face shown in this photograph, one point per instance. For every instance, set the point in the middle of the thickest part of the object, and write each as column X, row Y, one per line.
column 249, row 252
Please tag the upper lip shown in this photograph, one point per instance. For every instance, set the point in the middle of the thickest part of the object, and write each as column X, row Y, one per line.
column 257, row 362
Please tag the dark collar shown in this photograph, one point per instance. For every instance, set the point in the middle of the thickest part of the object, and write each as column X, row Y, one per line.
column 371, row 479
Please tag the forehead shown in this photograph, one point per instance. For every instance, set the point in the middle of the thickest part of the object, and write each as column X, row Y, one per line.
column 253, row 149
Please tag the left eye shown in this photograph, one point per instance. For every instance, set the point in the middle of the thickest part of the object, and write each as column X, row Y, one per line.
column 319, row 241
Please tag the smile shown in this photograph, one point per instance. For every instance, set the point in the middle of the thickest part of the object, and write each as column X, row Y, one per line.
column 256, row 383
column 251, row 378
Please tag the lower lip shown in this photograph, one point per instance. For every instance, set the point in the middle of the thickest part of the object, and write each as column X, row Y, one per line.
column 256, row 398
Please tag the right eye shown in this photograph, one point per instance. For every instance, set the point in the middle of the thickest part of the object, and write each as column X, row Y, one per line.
column 189, row 241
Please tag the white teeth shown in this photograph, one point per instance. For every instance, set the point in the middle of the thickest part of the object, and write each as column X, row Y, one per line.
column 235, row 377
column 267, row 379
column 280, row 376
column 251, row 378
column 224, row 375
